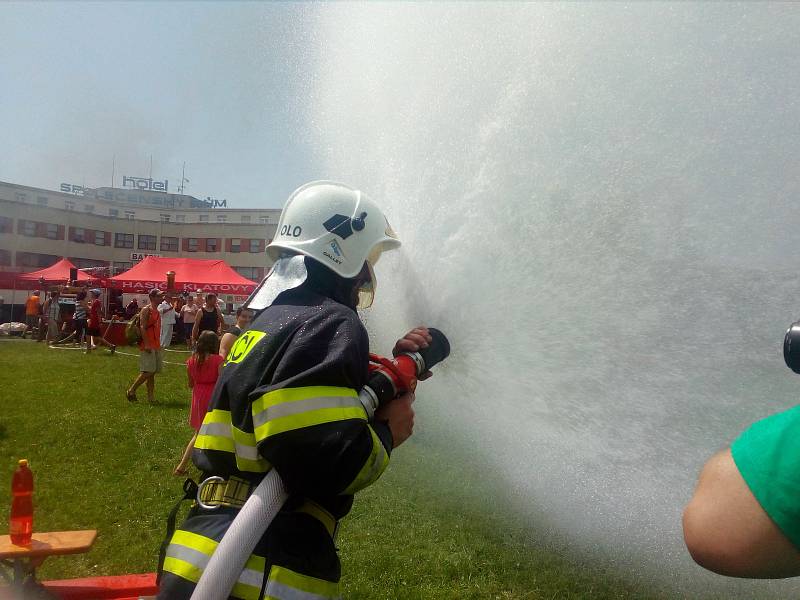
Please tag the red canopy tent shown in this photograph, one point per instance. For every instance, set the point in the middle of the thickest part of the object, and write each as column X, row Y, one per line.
column 58, row 273
column 191, row 274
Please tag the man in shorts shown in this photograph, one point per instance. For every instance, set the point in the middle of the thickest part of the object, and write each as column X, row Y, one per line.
column 151, row 359
column 32, row 312
column 744, row 517
column 52, row 311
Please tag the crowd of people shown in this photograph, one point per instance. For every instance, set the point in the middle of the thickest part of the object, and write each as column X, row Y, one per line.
column 48, row 321
column 156, row 322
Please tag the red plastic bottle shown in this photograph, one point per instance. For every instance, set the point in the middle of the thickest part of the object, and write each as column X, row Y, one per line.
column 21, row 521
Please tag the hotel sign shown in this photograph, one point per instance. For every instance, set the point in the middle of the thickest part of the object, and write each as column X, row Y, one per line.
column 154, row 199
column 145, row 183
column 71, row 188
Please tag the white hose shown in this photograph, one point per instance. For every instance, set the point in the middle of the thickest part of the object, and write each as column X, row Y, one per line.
column 238, row 543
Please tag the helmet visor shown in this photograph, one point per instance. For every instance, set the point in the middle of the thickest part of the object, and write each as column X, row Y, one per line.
column 366, row 289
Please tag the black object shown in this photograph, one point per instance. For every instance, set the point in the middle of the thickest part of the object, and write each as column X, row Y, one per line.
column 358, row 222
column 437, row 350
column 791, row 347
column 73, row 274
column 339, row 225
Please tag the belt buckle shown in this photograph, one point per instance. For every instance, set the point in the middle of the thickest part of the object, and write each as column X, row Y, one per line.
column 213, row 478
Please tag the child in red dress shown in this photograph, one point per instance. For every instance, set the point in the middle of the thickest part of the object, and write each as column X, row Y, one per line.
column 203, row 369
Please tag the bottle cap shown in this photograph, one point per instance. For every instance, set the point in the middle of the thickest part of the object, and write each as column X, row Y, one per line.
column 23, row 462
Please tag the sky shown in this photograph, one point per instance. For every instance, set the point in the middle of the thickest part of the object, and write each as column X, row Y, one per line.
column 87, row 89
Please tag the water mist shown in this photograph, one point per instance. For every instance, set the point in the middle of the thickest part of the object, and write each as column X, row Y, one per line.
column 598, row 206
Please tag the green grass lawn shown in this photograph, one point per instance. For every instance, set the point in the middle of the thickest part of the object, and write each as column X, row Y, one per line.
column 102, row 463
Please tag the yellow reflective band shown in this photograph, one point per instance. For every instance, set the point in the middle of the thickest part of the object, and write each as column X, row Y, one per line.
column 247, row 456
column 182, row 568
column 308, row 419
column 188, row 555
column 256, row 563
column 246, row 591
column 295, row 408
column 285, row 584
column 373, row 468
column 215, row 433
column 214, row 442
column 217, row 416
column 243, row 345
column 195, row 541
column 299, row 393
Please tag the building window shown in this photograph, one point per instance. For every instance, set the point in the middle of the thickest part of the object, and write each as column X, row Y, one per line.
column 6, row 225
column 41, row 201
column 123, row 240
column 52, row 231
column 165, row 218
column 113, row 212
column 78, row 235
column 211, row 245
column 88, row 263
column 236, row 245
column 168, row 244
column 147, row 242
column 69, row 205
column 255, row 246
column 28, row 228
column 130, row 215
column 245, row 218
column 264, row 220
column 99, row 238
column 204, row 218
column 88, row 207
column 192, row 245
column 122, row 266
column 222, row 218
column 21, row 197
column 249, row 272
column 5, row 258
column 31, row 259
column 180, row 218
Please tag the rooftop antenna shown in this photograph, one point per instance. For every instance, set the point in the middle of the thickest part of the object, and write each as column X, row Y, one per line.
column 184, row 181
column 151, row 167
column 113, row 168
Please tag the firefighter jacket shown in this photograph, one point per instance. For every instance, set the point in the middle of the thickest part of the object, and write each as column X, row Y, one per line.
column 287, row 399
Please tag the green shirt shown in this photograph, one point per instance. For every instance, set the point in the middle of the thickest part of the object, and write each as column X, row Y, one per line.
column 767, row 455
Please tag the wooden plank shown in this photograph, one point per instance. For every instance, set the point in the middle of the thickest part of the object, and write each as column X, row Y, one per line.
column 49, row 544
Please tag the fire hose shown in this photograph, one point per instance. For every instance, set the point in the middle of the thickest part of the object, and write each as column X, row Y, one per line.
column 388, row 379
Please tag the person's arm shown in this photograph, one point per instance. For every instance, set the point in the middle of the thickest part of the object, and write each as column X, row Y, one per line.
column 190, row 380
column 309, row 422
column 220, row 321
column 727, row 531
column 225, row 344
column 195, row 329
column 144, row 321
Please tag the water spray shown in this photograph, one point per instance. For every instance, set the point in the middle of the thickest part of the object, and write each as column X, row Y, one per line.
column 388, row 379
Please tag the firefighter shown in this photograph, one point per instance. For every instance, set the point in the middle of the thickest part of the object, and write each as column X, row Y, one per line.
column 288, row 399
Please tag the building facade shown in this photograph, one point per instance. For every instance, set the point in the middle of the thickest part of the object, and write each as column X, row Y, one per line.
column 114, row 227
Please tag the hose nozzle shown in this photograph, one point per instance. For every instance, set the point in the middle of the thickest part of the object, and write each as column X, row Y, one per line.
column 391, row 377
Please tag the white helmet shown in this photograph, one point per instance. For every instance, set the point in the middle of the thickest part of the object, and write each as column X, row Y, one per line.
column 336, row 225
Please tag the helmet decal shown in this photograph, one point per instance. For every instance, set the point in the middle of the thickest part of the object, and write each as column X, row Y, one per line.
column 340, row 225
